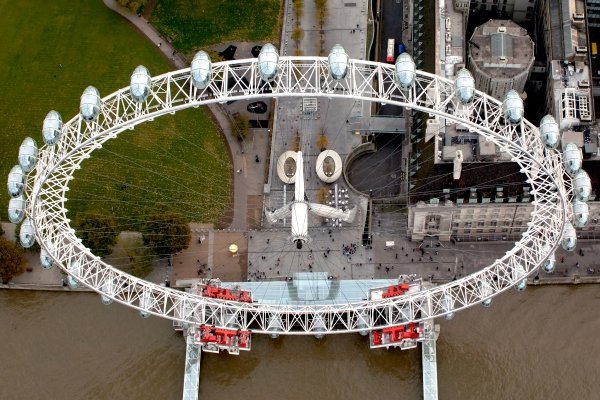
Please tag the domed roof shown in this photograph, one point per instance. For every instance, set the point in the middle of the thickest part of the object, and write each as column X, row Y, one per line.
column 286, row 167
column 549, row 131
column 338, row 62
column 329, row 166
column 464, row 85
column 140, row 83
column 89, row 107
column 28, row 154
column 201, row 70
column 16, row 181
column 52, row 128
column 513, row 107
column 572, row 158
column 267, row 62
column 405, row 71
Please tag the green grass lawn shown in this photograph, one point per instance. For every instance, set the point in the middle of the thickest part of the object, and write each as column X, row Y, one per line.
column 194, row 24
column 52, row 50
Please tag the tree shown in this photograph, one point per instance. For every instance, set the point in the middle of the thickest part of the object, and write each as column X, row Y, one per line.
column 296, row 142
column 12, row 260
column 322, row 142
column 297, row 34
column 239, row 125
column 322, row 195
column 132, row 256
column 166, row 232
column 97, row 231
column 135, row 6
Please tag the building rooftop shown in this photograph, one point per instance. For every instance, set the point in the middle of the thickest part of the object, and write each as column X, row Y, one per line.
column 501, row 48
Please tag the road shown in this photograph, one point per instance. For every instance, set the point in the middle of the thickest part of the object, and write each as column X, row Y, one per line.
column 391, row 28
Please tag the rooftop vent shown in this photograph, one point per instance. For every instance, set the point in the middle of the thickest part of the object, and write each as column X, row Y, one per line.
column 502, row 29
column 583, row 84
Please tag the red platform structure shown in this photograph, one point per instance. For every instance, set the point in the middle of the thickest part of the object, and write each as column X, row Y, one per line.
column 403, row 336
column 213, row 339
column 396, row 290
column 217, row 292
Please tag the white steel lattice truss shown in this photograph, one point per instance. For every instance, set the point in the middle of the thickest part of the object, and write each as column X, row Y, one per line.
column 298, row 76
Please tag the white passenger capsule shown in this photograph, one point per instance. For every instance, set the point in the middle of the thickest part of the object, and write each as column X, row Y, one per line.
column 201, row 70
column 27, row 234
column 275, row 326
column 89, row 107
column 363, row 322
column 513, row 107
column 569, row 238
column 486, row 292
column 549, row 131
column 464, row 86
column 405, row 71
column 52, row 128
column 16, row 181
column 581, row 213
column 107, row 290
column 338, row 62
column 319, row 327
column 28, row 154
column 572, row 158
column 548, row 265
column 145, row 303
column 140, row 83
column 45, row 259
column 16, row 209
column 583, row 185
column 518, row 274
column 448, row 305
column 267, row 62
column 74, row 268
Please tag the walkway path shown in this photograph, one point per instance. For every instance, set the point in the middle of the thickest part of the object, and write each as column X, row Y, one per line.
column 240, row 195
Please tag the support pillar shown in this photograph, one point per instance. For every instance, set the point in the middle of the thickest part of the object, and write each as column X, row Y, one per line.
column 430, row 386
column 191, row 378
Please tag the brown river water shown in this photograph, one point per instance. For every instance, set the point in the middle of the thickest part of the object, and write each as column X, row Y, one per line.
column 541, row 344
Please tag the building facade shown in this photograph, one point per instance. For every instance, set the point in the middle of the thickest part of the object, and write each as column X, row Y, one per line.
column 482, row 222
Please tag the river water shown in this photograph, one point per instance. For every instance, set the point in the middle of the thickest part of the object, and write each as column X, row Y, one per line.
column 541, row 344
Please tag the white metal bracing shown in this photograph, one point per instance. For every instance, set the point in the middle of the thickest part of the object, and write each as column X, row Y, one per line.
column 298, row 76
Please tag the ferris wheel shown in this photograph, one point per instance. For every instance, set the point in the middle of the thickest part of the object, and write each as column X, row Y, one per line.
column 39, row 186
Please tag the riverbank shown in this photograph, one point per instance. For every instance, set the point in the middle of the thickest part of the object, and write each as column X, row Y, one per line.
column 545, row 281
